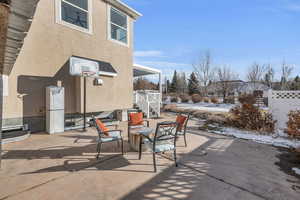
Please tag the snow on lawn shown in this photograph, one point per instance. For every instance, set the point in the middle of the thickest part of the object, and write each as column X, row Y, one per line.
column 265, row 139
column 206, row 106
column 296, row 170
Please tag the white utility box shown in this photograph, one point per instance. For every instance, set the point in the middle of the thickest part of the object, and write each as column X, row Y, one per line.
column 55, row 109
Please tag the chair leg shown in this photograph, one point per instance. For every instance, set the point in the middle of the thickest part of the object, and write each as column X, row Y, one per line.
column 98, row 149
column 175, row 158
column 154, row 162
column 140, row 148
column 185, row 140
column 128, row 134
column 122, row 146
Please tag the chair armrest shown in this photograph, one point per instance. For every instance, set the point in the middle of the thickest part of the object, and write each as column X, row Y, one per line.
column 116, row 130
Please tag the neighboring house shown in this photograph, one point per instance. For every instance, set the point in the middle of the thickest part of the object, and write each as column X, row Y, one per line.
column 235, row 86
column 220, row 87
column 250, row 87
column 98, row 30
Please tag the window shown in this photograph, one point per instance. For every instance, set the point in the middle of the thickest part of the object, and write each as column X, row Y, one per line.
column 75, row 14
column 118, row 26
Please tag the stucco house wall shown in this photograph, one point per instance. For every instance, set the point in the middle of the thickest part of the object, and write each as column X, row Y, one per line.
column 43, row 61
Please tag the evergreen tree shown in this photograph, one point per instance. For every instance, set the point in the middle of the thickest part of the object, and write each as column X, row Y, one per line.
column 174, row 83
column 193, row 84
column 295, row 84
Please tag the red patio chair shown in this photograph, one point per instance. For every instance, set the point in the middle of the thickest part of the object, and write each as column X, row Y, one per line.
column 182, row 120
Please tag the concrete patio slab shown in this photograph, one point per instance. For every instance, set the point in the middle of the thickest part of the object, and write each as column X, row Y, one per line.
column 213, row 167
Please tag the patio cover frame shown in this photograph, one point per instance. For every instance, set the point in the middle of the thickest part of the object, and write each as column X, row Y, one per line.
column 140, row 70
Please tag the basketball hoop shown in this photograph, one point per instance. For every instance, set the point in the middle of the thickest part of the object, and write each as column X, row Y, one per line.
column 87, row 69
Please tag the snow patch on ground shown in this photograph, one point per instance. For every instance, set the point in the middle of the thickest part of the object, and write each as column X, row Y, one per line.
column 265, row 139
column 296, row 170
column 211, row 107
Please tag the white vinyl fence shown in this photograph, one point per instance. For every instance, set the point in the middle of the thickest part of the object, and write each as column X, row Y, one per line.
column 281, row 103
column 149, row 102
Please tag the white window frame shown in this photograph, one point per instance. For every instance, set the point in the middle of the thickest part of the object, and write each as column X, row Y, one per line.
column 109, row 7
column 59, row 19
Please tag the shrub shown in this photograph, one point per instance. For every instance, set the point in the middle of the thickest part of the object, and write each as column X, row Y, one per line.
column 293, row 124
column 250, row 117
column 214, row 100
column 196, row 98
column 206, row 99
column 172, row 94
column 247, row 99
column 184, row 98
column 173, row 108
column 174, row 99
column 169, row 107
column 229, row 99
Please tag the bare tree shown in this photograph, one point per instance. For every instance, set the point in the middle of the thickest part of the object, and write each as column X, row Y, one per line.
column 269, row 75
column 204, row 71
column 143, row 84
column 286, row 71
column 225, row 77
column 181, row 83
column 255, row 72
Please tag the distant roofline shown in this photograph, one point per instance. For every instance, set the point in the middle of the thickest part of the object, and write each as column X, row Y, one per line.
column 241, row 81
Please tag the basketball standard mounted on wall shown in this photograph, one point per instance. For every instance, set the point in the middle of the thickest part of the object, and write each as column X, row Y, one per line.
column 79, row 67
column 85, row 68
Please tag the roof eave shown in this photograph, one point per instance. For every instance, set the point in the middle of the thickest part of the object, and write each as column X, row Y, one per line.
column 146, row 70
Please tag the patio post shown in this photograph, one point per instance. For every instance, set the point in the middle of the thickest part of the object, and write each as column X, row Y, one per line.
column 84, row 104
column 1, row 105
column 4, row 13
column 160, row 86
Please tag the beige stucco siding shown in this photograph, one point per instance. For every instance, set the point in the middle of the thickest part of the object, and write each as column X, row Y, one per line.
column 43, row 61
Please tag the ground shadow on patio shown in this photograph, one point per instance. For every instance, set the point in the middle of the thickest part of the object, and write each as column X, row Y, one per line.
column 289, row 159
column 59, row 152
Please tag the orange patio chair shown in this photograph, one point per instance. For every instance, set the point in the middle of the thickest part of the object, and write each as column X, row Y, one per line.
column 106, row 135
column 136, row 120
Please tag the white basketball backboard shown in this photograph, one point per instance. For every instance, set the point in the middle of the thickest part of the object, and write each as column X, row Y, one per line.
column 78, row 66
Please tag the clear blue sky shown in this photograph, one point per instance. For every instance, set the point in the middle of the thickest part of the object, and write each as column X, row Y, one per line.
column 172, row 33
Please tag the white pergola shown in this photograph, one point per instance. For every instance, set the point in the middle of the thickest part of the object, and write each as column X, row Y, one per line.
column 140, row 70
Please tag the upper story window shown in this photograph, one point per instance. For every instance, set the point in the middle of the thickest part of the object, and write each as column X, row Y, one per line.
column 75, row 14
column 118, row 26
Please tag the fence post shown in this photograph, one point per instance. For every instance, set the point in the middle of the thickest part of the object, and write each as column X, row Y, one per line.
column 236, row 97
column 270, row 98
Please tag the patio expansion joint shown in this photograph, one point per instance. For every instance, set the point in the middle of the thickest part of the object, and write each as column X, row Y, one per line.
column 58, row 178
column 33, row 187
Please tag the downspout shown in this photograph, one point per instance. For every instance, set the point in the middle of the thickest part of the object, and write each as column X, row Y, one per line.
column 4, row 12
